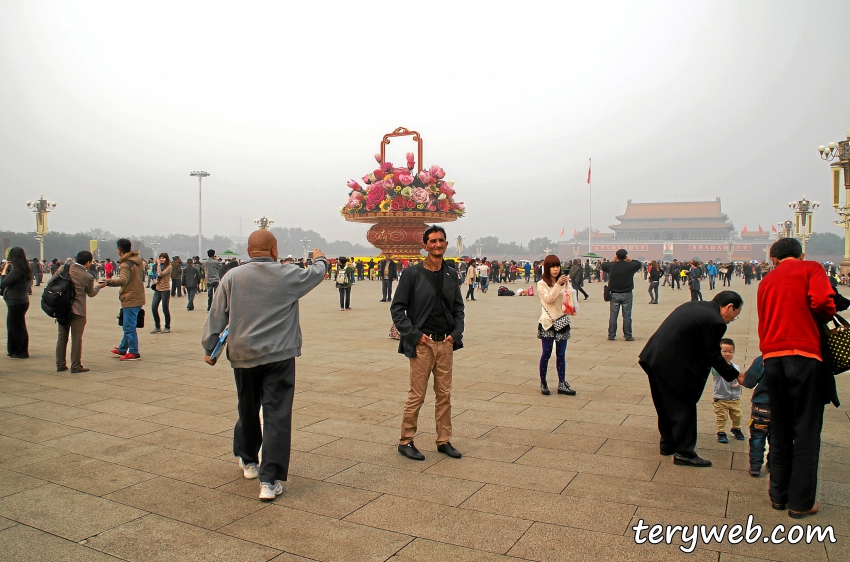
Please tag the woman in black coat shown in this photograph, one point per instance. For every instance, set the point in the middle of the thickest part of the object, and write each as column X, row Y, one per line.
column 15, row 284
column 678, row 359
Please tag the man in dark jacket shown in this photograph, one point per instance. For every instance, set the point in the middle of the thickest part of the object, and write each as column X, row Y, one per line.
column 621, row 274
column 677, row 360
column 190, row 279
column 428, row 312
column 387, row 272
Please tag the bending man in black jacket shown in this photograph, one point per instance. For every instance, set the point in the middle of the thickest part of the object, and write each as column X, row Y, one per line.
column 678, row 359
column 427, row 310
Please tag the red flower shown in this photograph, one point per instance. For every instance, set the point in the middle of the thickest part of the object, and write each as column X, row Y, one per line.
column 398, row 203
column 411, row 204
column 444, row 205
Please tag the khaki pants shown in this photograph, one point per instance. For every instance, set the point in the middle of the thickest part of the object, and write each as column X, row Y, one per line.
column 75, row 327
column 437, row 358
column 724, row 409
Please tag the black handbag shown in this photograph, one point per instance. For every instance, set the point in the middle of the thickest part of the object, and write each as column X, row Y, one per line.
column 140, row 319
column 559, row 324
column 606, row 293
column 837, row 342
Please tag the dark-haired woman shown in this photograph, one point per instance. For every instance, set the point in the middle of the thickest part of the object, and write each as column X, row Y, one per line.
column 344, row 280
column 654, row 278
column 162, row 293
column 551, row 291
column 15, row 284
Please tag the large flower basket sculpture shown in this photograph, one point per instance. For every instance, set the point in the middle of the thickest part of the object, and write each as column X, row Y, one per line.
column 399, row 203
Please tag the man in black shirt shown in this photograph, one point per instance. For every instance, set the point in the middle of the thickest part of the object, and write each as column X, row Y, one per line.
column 428, row 312
column 675, row 272
column 621, row 281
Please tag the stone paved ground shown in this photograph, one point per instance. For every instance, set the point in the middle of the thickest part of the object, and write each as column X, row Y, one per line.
column 133, row 461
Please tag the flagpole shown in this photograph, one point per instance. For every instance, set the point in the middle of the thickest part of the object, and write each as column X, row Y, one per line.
column 589, row 206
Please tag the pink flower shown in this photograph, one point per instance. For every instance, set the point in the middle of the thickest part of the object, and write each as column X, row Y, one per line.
column 355, row 200
column 378, row 158
column 460, row 206
column 354, row 185
column 446, row 188
column 386, row 166
column 424, row 177
column 434, row 169
column 421, row 195
column 441, row 173
column 388, row 184
column 375, row 195
column 366, row 179
column 405, row 179
column 431, row 206
column 410, row 162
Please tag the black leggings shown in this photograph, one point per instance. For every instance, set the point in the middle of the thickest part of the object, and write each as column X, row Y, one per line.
column 470, row 293
column 580, row 290
column 17, row 337
column 344, row 297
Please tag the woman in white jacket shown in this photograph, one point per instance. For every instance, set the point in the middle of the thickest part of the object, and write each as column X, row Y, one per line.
column 551, row 290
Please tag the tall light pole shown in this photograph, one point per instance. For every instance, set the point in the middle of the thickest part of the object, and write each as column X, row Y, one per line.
column 803, row 218
column 459, row 244
column 263, row 222
column 841, row 152
column 730, row 246
column 786, row 229
column 576, row 249
column 200, row 176
column 305, row 241
column 41, row 207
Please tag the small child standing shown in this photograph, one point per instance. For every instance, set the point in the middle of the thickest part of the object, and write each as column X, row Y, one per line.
column 760, row 420
column 727, row 397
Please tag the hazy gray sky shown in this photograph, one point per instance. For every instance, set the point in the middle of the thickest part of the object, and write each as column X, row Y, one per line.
column 107, row 106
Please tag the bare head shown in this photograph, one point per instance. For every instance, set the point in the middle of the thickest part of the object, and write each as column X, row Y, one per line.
column 262, row 244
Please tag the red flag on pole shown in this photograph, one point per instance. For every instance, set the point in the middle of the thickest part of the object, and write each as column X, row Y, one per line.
column 744, row 231
column 760, row 230
column 596, row 234
column 588, row 171
column 773, row 228
column 575, row 234
column 562, row 233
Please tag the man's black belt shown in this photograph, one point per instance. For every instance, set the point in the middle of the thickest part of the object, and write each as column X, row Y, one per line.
column 438, row 337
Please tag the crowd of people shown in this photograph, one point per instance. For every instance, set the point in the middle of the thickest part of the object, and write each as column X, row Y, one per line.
column 254, row 306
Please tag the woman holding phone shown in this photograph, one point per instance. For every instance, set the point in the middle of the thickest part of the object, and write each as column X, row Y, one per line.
column 553, row 328
column 162, row 293
column 15, row 285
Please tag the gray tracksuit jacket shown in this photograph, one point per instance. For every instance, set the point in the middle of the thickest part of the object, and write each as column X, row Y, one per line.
column 259, row 301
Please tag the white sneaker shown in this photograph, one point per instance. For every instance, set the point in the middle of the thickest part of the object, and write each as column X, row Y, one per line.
column 269, row 492
column 249, row 470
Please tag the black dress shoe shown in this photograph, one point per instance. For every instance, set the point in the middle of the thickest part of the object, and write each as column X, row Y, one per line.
column 544, row 388
column 777, row 506
column 695, row 461
column 666, row 453
column 60, row 369
column 447, row 449
column 410, row 451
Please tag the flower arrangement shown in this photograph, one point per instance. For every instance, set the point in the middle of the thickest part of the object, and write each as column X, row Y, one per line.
column 398, row 189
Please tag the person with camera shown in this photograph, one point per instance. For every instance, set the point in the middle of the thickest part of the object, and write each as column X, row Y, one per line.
column 553, row 327
column 131, row 279
column 344, row 280
column 84, row 286
column 258, row 304
column 621, row 283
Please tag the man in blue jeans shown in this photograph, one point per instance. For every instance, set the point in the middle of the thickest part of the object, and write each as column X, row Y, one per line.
column 711, row 271
column 621, row 282
column 131, row 279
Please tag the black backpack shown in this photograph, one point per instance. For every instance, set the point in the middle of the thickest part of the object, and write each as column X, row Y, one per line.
column 59, row 295
column 505, row 292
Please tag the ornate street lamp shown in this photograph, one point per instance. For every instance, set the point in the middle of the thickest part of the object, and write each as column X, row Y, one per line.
column 803, row 218
column 478, row 249
column 786, row 229
column 200, row 175
column 576, row 249
column 264, row 223
column 547, row 250
column 459, row 244
column 730, row 246
column 41, row 207
column 840, row 151
column 305, row 241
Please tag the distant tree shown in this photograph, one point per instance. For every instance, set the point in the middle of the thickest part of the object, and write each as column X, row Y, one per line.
column 825, row 244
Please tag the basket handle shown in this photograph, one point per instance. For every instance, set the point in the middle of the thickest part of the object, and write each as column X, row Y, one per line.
column 839, row 321
column 402, row 132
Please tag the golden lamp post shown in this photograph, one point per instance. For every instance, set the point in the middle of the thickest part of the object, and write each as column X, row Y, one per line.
column 264, row 223
column 41, row 207
column 838, row 153
column 803, row 218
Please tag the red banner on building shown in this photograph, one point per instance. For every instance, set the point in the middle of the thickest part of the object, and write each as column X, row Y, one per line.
column 614, row 248
column 719, row 247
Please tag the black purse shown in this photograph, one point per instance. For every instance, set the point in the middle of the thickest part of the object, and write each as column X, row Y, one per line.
column 560, row 324
column 837, row 343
